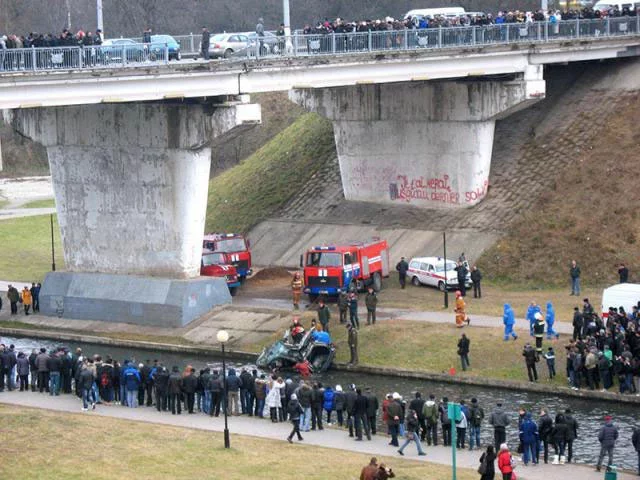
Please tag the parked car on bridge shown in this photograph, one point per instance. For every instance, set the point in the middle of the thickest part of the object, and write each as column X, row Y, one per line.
column 271, row 44
column 158, row 43
column 431, row 271
column 115, row 49
column 224, row 45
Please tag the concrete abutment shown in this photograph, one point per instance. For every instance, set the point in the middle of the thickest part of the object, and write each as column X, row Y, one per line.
column 427, row 144
column 131, row 184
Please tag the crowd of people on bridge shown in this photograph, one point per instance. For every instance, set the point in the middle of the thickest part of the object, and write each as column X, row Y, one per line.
column 42, row 40
column 307, row 405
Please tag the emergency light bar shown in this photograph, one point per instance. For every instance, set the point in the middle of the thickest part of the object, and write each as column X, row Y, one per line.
column 324, row 248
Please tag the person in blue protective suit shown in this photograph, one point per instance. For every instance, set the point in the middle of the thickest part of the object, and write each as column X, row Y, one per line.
column 509, row 320
column 320, row 336
column 531, row 315
column 551, row 319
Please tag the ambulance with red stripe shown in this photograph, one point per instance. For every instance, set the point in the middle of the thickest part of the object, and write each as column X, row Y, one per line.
column 213, row 264
column 234, row 247
column 330, row 269
column 431, row 271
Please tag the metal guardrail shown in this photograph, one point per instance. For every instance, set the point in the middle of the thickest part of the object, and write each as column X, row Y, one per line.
column 132, row 55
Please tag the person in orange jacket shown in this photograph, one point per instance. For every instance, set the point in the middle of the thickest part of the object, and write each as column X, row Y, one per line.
column 27, row 299
column 461, row 314
column 296, row 290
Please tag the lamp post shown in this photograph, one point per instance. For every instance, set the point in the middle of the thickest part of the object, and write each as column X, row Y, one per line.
column 446, row 293
column 99, row 23
column 53, row 248
column 223, row 337
column 287, row 25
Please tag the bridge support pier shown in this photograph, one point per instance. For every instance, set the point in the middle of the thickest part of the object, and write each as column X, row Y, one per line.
column 131, row 184
column 427, row 144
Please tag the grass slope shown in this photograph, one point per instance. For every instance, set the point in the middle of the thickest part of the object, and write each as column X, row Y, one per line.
column 45, row 203
column 589, row 214
column 26, row 248
column 255, row 189
column 126, row 449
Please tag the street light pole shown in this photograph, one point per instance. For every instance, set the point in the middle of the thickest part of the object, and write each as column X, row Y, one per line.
column 223, row 337
column 53, row 248
column 100, row 25
column 446, row 293
column 287, row 25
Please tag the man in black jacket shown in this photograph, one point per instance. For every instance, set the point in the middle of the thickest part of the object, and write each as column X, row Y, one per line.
column 189, row 386
column 402, row 267
column 175, row 390
column 204, row 43
column 360, row 409
column 417, row 405
column 572, row 433
column 394, row 417
column 85, row 383
column 161, row 381
column 476, row 278
column 54, row 365
column 372, row 409
column 215, row 384
column 578, row 323
column 350, row 401
column 545, row 427
column 246, row 391
column 317, row 397
column 294, row 410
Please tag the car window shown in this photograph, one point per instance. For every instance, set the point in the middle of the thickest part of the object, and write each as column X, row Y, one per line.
column 423, row 266
column 347, row 259
column 414, row 264
column 234, row 38
column 218, row 38
column 243, row 38
column 431, row 269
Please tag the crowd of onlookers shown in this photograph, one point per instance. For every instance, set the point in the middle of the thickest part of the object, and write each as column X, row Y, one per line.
column 40, row 40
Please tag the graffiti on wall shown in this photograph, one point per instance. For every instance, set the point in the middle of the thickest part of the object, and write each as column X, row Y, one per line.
column 437, row 189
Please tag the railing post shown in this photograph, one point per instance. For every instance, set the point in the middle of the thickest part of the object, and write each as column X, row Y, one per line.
column 539, row 31
column 406, row 39
column 81, row 59
column 473, row 35
column 333, row 42
column 546, row 31
column 193, row 43
column 608, row 26
column 124, row 55
column 166, row 53
column 33, row 57
column 369, row 40
column 439, row 36
column 577, row 27
column 507, row 35
column 295, row 45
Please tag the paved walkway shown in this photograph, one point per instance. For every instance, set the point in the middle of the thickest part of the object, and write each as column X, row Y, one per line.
column 330, row 437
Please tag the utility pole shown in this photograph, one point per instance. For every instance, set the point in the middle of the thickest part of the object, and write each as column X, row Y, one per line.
column 68, row 14
column 287, row 25
column 100, row 25
column 446, row 292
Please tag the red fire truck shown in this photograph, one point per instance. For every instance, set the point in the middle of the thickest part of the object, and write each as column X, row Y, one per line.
column 330, row 269
column 234, row 247
column 213, row 264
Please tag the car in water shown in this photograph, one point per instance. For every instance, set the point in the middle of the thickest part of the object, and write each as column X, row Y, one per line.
column 158, row 43
column 285, row 353
column 431, row 271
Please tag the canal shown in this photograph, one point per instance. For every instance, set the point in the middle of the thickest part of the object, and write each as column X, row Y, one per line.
column 588, row 413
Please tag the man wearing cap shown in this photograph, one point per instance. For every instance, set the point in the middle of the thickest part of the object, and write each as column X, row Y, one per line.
column 607, row 437
column 402, row 267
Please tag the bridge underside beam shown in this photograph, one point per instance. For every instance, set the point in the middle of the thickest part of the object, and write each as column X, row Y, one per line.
column 427, row 144
column 131, row 185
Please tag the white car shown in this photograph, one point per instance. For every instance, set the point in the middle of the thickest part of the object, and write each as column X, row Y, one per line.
column 430, row 271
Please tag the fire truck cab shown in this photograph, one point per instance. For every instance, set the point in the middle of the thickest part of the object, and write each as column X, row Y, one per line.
column 330, row 269
column 213, row 264
column 234, row 247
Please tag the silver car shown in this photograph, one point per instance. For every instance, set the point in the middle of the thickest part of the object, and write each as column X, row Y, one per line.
column 224, row 45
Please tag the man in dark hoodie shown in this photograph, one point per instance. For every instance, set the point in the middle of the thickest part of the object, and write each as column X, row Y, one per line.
column 417, row 404
column 175, row 390
column 189, row 386
column 317, row 398
column 161, row 382
column 545, row 427
column 372, row 409
column 360, row 416
column 499, row 421
column 607, row 437
column 572, row 432
column 233, row 390
column 350, row 401
column 246, row 391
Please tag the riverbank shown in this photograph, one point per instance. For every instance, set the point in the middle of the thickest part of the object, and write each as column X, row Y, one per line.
column 250, row 357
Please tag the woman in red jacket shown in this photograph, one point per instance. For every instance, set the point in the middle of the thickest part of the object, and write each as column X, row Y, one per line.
column 504, row 462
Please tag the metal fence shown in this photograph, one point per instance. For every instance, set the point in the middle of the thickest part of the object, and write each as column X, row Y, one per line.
column 43, row 59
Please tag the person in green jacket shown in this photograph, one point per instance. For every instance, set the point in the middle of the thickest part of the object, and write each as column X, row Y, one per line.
column 324, row 314
column 430, row 414
column 371, row 301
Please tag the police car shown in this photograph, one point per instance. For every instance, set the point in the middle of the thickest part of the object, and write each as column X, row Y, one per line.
column 431, row 271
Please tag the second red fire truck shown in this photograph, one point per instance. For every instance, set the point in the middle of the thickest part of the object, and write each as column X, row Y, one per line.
column 234, row 247
column 330, row 269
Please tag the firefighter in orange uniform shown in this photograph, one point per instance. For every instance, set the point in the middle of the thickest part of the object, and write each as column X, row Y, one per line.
column 461, row 313
column 296, row 290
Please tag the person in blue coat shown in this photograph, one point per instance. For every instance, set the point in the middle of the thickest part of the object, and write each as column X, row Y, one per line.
column 321, row 336
column 509, row 320
column 551, row 319
column 531, row 315
column 130, row 378
column 529, row 439
column 327, row 403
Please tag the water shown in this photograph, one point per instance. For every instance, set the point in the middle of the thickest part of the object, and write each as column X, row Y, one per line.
column 588, row 413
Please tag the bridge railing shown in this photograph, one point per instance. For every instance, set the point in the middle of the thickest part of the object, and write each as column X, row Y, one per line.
column 137, row 54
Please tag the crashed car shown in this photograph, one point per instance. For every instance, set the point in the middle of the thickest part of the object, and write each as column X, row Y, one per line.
column 285, row 354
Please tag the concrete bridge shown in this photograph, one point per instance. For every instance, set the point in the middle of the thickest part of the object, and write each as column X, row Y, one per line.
column 130, row 148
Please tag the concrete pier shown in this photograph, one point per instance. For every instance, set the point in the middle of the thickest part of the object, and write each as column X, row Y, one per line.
column 427, row 144
column 131, row 184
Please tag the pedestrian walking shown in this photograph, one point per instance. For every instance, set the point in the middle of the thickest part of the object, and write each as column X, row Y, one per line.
column 204, row 43
column 296, row 290
column 402, row 267
column 499, row 420
column 412, row 426
column 607, row 437
column 509, row 320
column 476, row 278
column 460, row 310
column 294, row 410
column 551, row 320
column 532, row 309
column 463, row 351
column 371, row 302
column 574, row 274
column 352, row 339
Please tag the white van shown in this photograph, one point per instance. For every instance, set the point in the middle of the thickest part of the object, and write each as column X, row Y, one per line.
column 430, row 271
column 622, row 295
column 434, row 12
column 606, row 5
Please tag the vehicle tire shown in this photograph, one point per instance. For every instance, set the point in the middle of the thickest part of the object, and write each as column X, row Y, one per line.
column 227, row 53
column 377, row 282
column 441, row 286
column 415, row 282
column 233, row 291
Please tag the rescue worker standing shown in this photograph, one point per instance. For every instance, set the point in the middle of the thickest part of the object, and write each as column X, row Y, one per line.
column 324, row 314
column 371, row 301
column 343, row 305
column 461, row 314
column 26, row 300
column 353, row 344
column 353, row 310
column 402, row 267
column 538, row 332
column 296, row 290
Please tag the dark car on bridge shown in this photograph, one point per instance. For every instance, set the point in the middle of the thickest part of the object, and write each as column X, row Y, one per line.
column 158, row 43
column 117, row 49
